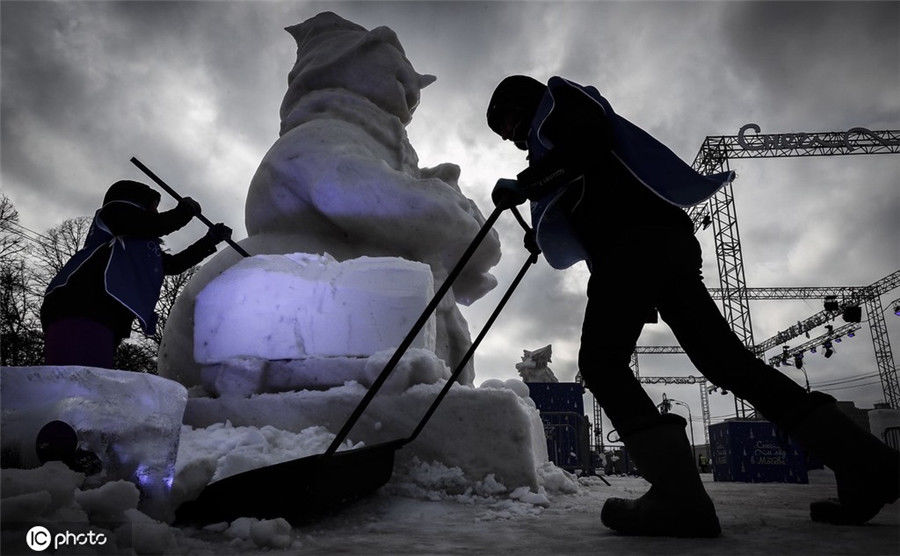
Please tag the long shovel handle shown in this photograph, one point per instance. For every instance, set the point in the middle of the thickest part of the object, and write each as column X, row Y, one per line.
column 414, row 331
column 178, row 197
column 532, row 258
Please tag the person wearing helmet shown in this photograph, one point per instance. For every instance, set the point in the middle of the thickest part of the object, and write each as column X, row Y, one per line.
column 91, row 303
column 604, row 191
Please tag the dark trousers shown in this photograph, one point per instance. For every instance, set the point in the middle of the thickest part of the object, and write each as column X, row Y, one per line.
column 79, row 341
column 661, row 269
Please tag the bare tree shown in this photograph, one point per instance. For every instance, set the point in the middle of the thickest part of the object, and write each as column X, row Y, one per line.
column 60, row 244
column 171, row 289
column 21, row 339
column 11, row 243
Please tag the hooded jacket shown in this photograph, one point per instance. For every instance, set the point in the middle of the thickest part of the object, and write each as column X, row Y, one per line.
column 605, row 144
column 117, row 275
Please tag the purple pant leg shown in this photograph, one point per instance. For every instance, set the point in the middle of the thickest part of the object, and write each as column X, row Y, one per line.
column 79, row 341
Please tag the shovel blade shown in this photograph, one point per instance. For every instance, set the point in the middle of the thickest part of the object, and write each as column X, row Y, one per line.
column 299, row 490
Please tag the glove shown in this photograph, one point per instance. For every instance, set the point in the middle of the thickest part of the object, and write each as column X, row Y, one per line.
column 189, row 205
column 507, row 193
column 218, row 233
column 531, row 243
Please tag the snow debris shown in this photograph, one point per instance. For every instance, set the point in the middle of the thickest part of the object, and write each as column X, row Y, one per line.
column 57, row 498
column 557, row 480
column 110, row 500
column 265, row 533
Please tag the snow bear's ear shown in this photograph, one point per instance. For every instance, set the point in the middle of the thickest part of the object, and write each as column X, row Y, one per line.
column 426, row 80
column 386, row 34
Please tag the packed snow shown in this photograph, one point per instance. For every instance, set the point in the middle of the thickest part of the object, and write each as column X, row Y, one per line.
column 492, row 429
column 430, row 509
column 295, row 306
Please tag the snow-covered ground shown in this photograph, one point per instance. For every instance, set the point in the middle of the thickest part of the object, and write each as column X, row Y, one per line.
column 756, row 519
column 424, row 510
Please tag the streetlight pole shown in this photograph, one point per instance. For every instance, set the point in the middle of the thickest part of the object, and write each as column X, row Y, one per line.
column 691, row 423
column 666, row 405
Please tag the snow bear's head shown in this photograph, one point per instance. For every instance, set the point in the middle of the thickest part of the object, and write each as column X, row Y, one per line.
column 335, row 53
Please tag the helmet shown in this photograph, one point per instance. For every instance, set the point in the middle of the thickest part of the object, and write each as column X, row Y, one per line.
column 133, row 191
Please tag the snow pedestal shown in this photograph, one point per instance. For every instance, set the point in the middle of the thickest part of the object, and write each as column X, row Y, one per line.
column 131, row 421
column 482, row 431
column 285, row 322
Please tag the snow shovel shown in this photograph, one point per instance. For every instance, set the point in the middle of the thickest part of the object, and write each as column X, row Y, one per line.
column 303, row 489
column 177, row 197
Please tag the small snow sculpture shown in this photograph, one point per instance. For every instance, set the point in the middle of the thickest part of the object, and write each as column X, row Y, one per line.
column 533, row 367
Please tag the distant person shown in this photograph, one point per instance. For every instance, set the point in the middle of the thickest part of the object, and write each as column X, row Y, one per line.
column 604, row 191
column 90, row 305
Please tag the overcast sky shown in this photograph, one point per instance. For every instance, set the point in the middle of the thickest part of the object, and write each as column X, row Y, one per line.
column 193, row 89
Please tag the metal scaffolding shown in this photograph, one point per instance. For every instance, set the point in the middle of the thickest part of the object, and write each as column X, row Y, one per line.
column 720, row 211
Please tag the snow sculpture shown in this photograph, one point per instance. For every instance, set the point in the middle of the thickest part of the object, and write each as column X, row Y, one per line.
column 343, row 179
column 342, row 184
column 533, row 367
column 132, row 421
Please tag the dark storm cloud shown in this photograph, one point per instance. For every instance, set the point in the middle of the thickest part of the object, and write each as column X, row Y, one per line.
column 194, row 90
column 835, row 63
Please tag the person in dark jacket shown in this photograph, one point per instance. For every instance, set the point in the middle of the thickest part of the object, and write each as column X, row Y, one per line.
column 91, row 303
column 604, row 191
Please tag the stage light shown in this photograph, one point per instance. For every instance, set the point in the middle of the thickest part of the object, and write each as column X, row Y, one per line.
column 798, row 360
column 829, row 351
column 812, row 350
column 831, row 303
column 852, row 313
column 851, row 334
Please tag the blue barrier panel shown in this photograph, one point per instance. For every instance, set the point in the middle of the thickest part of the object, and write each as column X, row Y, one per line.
column 564, row 431
column 557, row 396
column 753, row 451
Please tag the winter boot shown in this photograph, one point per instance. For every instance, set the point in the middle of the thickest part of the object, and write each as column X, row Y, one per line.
column 676, row 504
column 867, row 470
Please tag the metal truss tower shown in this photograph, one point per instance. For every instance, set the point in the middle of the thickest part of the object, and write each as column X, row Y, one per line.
column 844, row 297
column 714, row 156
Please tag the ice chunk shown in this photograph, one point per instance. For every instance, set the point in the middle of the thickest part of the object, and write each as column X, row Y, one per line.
column 131, row 421
column 298, row 305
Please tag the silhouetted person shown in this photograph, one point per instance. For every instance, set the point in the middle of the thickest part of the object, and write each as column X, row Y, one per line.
column 604, row 191
column 90, row 305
